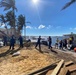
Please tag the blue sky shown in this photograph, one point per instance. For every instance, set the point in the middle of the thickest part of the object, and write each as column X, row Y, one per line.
column 46, row 17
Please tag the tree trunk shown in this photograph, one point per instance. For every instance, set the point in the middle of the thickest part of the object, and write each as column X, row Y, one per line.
column 14, row 28
column 25, row 32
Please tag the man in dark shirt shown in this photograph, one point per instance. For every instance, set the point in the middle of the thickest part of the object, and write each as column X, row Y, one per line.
column 39, row 43
column 12, row 42
column 49, row 42
column 5, row 40
column 21, row 41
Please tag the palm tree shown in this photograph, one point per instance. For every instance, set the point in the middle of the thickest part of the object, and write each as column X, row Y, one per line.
column 10, row 21
column 20, row 23
column 68, row 4
column 2, row 18
column 3, row 21
column 9, row 4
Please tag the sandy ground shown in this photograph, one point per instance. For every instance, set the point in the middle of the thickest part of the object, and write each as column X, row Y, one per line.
column 67, row 55
column 30, row 59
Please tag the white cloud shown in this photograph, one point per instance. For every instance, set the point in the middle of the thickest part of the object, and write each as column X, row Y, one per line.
column 41, row 26
column 28, row 27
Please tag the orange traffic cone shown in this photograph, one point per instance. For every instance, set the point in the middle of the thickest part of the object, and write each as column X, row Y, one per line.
column 75, row 49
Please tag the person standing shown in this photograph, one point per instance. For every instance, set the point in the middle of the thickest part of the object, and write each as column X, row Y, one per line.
column 71, row 40
column 20, row 41
column 39, row 43
column 4, row 40
column 12, row 42
column 64, row 44
column 57, row 43
column 61, row 44
column 49, row 42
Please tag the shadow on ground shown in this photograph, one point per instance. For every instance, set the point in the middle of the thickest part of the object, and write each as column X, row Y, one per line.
column 8, row 52
column 54, row 51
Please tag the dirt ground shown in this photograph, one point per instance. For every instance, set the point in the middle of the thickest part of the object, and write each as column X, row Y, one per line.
column 29, row 60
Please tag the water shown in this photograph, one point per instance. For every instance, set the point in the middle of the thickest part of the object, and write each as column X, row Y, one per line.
column 54, row 38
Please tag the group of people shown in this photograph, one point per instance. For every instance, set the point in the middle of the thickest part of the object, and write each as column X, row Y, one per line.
column 39, row 43
column 12, row 41
column 65, row 43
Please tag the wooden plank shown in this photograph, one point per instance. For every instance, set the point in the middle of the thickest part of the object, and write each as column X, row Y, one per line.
column 52, row 66
column 57, row 69
column 49, row 72
column 68, row 63
column 42, row 70
column 63, row 71
column 72, row 68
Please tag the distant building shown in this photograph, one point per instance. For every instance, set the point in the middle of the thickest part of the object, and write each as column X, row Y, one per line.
column 7, row 32
column 71, row 34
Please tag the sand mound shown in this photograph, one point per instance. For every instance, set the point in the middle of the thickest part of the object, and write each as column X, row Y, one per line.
column 28, row 61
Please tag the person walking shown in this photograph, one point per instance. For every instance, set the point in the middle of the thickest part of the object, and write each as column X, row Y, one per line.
column 38, row 43
column 20, row 41
column 12, row 42
column 49, row 42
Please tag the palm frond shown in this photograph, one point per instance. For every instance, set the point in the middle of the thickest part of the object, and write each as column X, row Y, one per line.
column 68, row 4
column 15, row 8
column 3, row 4
column 6, row 8
column 8, row 4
